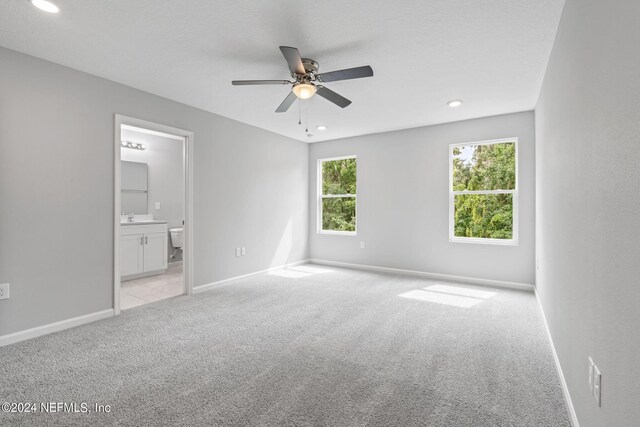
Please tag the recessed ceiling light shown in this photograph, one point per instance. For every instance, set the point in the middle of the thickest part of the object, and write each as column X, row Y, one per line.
column 321, row 127
column 455, row 103
column 45, row 5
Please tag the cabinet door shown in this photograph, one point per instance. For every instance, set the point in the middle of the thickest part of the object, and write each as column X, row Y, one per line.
column 155, row 251
column 131, row 254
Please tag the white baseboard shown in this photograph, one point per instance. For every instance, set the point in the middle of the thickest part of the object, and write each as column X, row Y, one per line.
column 209, row 286
column 427, row 275
column 54, row 327
column 573, row 418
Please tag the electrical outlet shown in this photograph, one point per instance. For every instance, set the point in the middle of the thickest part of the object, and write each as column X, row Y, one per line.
column 4, row 291
column 244, row 251
column 362, row 246
column 591, row 365
column 597, row 384
column 157, row 206
column 238, row 252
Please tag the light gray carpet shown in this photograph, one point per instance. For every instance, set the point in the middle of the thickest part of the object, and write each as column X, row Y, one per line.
column 335, row 347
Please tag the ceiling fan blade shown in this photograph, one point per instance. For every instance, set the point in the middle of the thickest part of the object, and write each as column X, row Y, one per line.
column 290, row 99
column 259, row 82
column 346, row 74
column 294, row 60
column 330, row 95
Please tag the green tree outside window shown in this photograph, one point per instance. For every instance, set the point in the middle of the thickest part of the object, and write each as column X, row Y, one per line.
column 338, row 195
column 484, row 186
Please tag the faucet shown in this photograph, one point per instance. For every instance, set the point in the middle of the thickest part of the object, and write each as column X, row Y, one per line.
column 130, row 217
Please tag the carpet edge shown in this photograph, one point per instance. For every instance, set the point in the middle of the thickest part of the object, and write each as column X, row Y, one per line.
column 208, row 286
column 50, row 328
column 437, row 276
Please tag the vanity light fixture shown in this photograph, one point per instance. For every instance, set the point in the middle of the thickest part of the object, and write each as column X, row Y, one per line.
column 133, row 145
column 46, row 6
column 455, row 103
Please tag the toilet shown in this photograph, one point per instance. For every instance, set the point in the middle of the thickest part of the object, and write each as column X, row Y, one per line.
column 176, row 239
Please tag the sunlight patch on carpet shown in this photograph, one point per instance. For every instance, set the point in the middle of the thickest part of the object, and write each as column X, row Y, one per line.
column 449, row 295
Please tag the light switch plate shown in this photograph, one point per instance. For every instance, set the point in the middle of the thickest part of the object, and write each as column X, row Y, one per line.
column 238, row 252
column 591, row 374
column 597, row 384
column 362, row 245
column 4, row 291
column 157, row 206
column 244, row 251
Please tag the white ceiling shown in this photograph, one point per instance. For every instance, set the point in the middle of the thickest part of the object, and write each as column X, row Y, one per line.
column 490, row 53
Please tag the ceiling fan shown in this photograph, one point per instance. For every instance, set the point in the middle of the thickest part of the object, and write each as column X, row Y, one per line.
column 307, row 82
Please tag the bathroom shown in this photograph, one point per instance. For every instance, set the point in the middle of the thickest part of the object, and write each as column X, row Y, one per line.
column 152, row 205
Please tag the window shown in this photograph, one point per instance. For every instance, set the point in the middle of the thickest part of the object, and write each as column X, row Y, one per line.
column 483, row 192
column 337, row 198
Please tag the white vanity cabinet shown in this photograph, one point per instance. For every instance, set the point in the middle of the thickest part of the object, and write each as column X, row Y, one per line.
column 143, row 249
column 131, row 254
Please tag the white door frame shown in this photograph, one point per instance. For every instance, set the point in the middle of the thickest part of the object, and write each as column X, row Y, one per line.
column 188, row 200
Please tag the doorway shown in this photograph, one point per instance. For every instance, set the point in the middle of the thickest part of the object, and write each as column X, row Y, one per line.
column 153, row 212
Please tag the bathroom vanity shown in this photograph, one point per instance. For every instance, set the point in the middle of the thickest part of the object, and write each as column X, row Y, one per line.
column 143, row 248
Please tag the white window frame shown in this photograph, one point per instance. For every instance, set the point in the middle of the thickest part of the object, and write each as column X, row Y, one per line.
column 452, row 237
column 328, row 196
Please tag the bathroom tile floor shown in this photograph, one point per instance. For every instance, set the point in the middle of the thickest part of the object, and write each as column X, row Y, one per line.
column 149, row 289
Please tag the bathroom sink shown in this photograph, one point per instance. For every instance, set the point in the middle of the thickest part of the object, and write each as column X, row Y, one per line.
column 144, row 221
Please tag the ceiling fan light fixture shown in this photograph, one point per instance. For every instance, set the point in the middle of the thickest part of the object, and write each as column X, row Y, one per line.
column 304, row 90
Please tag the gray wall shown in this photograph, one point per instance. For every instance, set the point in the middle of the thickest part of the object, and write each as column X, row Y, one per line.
column 588, row 186
column 56, row 190
column 164, row 157
column 403, row 201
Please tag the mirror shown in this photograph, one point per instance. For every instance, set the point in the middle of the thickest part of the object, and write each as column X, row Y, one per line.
column 133, row 187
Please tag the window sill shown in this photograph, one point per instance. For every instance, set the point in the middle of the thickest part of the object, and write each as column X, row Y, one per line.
column 499, row 242
column 338, row 233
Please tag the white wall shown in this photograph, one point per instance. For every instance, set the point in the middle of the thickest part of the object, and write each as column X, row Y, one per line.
column 164, row 158
column 403, row 201
column 56, row 190
column 588, row 187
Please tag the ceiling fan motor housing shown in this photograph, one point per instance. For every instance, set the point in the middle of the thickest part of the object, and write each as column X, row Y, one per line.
column 310, row 66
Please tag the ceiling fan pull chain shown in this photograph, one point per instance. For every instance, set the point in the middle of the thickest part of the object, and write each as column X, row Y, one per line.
column 299, row 112
column 306, row 118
